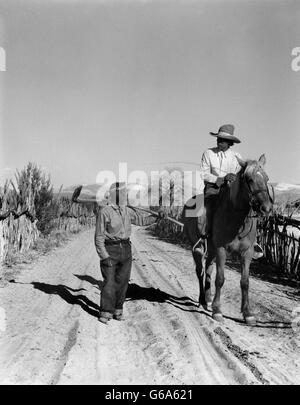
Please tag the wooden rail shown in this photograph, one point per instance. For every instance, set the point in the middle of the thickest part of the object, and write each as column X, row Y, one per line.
column 288, row 221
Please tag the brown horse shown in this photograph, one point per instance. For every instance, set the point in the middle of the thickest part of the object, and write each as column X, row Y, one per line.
column 233, row 232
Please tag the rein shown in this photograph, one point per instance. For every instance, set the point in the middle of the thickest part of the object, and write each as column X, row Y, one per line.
column 252, row 194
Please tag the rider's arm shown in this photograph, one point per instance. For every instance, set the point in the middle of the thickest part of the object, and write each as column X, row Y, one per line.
column 205, row 168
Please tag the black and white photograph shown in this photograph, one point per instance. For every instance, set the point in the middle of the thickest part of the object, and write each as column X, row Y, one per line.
column 149, row 195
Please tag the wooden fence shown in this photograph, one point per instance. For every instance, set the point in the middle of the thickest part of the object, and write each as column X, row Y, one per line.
column 19, row 230
column 17, row 233
column 279, row 236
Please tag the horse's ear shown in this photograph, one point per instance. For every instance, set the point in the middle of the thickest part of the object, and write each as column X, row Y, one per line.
column 262, row 160
column 242, row 162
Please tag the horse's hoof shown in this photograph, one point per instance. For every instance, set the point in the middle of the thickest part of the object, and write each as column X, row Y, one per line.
column 218, row 317
column 250, row 320
column 207, row 306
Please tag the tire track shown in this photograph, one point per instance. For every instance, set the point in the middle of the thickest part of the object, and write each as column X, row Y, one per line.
column 219, row 366
column 39, row 333
column 55, row 338
column 271, row 354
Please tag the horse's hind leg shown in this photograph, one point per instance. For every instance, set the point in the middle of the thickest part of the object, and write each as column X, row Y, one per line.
column 245, row 309
column 198, row 255
column 220, row 262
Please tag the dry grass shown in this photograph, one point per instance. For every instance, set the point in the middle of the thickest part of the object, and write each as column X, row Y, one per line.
column 42, row 246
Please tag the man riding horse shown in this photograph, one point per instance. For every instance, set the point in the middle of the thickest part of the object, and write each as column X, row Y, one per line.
column 218, row 166
column 236, row 193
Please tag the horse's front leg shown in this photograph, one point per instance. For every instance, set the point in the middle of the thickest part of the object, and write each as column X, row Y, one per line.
column 208, row 272
column 245, row 262
column 220, row 266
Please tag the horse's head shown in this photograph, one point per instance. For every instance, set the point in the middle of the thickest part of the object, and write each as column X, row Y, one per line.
column 256, row 185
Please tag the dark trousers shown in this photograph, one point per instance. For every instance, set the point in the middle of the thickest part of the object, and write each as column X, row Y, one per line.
column 210, row 204
column 115, row 279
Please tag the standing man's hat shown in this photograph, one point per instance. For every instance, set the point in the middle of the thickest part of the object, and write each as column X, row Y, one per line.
column 118, row 186
column 118, row 193
column 226, row 132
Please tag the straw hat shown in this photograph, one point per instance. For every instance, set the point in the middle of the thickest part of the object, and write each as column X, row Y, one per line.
column 226, row 132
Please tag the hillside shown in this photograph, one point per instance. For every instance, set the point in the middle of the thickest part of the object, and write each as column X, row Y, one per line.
column 284, row 192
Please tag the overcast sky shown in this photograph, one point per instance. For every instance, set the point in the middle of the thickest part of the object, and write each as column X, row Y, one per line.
column 90, row 84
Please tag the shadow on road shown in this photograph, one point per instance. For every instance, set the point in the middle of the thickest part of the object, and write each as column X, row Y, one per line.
column 90, row 280
column 262, row 324
column 65, row 293
column 136, row 292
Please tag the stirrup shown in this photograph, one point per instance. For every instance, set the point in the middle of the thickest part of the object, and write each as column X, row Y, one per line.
column 258, row 251
column 204, row 240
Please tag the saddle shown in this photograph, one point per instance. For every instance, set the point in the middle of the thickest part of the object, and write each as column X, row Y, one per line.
column 194, row 218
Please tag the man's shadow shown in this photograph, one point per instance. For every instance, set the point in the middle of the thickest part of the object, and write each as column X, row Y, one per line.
column 91, row 280
column 65, row 293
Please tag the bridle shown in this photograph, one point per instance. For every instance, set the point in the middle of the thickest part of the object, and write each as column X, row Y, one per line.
column 252, row 194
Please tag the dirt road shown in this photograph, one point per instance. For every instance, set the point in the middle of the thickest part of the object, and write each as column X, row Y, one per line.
column 53, row 336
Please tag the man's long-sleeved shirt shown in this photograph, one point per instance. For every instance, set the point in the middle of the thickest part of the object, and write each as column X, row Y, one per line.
column 114, row 223
column 215, row 163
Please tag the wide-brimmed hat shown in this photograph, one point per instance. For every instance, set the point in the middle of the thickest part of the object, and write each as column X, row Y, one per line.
column 118, row 193
column 226, row 132
column 118, row 186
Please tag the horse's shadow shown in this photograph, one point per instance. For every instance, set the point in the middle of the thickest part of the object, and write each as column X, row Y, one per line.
column 261, row 324
column 136, row 292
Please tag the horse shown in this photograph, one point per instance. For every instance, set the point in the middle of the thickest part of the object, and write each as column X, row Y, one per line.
column 234, row 226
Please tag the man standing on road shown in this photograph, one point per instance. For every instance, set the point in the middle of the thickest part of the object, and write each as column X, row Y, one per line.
column 113, row 229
